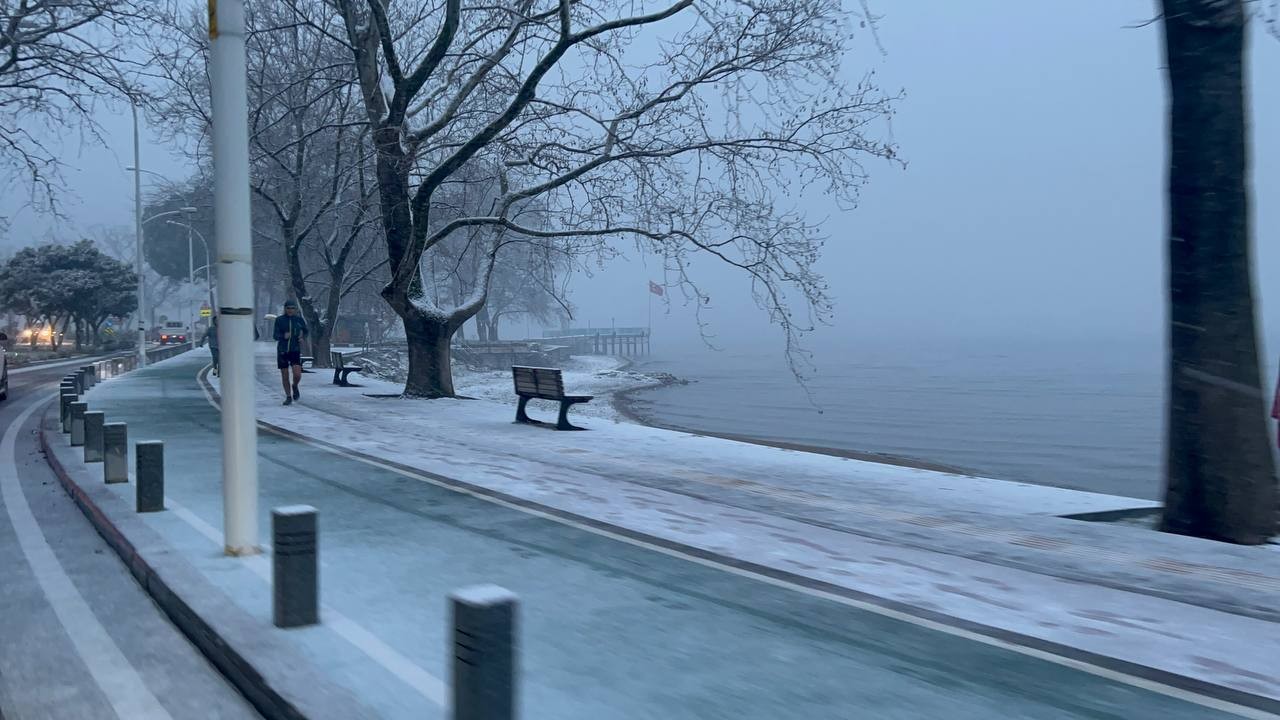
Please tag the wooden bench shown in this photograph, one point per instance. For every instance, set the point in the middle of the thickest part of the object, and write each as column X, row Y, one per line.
column 341, row 369
column 544, row 384
column 307, row 360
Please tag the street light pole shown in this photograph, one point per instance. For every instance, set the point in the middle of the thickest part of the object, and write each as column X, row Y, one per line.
column 191, row 282
column 208, row 256
column 235, row 274
column 137, row 260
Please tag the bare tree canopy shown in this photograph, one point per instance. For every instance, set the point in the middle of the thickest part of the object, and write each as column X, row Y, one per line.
column 686, row 127
column 58, row 60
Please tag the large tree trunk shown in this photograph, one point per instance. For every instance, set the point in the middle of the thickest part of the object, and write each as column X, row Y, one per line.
column 1220, row 476
column 482, row 326
column 430, row 373
column 55, row 338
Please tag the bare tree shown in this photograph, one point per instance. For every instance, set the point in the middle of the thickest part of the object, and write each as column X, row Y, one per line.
column 310, row 162
column 679, row 125
column 1220, row 473
column 58, row 60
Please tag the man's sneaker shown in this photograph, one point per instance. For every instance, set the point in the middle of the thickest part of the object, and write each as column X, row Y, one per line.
column 296, row 395
column 288, row 401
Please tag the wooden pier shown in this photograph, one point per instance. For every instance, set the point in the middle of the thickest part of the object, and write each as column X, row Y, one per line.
column 622, row 342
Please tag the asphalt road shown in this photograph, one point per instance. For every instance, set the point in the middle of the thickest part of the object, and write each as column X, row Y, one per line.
column 78, row 637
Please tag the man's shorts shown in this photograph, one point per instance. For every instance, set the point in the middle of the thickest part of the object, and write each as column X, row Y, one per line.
column 287, row 359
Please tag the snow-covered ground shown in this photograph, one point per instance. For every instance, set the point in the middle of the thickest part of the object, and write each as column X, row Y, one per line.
column 601, row 376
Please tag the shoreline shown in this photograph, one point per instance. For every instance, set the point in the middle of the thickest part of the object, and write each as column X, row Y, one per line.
column 624, row 402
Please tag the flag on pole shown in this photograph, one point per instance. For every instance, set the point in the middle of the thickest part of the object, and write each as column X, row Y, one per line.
column 655, row 288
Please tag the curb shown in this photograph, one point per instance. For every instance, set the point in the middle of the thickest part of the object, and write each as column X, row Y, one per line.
column 268, row 696
column 1071, row 654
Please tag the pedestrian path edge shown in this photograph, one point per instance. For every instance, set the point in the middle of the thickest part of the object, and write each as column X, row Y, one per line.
column 278, row 681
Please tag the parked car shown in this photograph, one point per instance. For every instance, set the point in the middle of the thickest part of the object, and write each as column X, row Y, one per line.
column 174, row 333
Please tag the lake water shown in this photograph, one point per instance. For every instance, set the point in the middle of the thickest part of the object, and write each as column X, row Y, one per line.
column 1086, row 415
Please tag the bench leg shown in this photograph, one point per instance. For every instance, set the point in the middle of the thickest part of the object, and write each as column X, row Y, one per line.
column 336, row 372
column 521, row 417
column 563, row 422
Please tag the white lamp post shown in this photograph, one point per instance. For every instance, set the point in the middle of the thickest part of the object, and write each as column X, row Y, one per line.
column 230, row 126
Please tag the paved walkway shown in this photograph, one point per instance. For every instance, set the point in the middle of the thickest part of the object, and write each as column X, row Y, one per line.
column 651, row 619
column 78, row 637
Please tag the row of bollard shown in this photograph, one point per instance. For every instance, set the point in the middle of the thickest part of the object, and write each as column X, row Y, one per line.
column 483, row 618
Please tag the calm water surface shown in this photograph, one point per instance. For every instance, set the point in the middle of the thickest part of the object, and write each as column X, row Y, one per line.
column 1087, row 416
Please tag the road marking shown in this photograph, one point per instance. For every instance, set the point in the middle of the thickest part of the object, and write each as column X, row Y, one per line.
column 1153, row 686
column 111, row 670
column 392, row 660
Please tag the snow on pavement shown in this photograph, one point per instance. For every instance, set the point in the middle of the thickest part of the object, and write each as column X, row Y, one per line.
column 986, row 551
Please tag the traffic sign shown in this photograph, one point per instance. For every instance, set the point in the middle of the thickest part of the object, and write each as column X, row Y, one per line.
column 206, row 312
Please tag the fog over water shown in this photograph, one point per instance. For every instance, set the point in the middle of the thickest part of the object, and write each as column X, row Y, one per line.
column 1000, row 302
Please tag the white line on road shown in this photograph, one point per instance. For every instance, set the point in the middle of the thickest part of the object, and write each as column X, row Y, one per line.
column 111, row 670
column 392, row 660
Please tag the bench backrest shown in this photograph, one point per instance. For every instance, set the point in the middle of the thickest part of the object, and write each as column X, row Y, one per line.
column 335, row 359
column 539, row 382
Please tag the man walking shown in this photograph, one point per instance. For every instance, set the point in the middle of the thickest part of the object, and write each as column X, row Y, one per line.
column 290, row 329
column 211, row 337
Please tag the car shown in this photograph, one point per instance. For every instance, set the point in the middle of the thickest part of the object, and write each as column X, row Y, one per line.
column 174, row 333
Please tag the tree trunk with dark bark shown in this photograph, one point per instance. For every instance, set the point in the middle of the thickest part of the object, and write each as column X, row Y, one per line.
column 1220, row 474
column 430, row 373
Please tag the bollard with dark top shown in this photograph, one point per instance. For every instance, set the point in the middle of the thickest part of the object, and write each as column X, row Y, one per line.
column 149, row 474
column 484, row 653
column 115, row 452
column 93, row 422
column 78, row 409
column 295, row 577
column 67, row 398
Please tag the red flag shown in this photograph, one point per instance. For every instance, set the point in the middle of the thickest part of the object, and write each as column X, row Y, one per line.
column 655, row 288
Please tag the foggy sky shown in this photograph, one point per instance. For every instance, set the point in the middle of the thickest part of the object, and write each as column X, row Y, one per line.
column 1033, row 201
column 1032, row 204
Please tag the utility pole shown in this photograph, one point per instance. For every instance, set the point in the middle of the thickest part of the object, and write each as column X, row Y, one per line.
column 137, row 259
column 235, row 274
column 191, row 285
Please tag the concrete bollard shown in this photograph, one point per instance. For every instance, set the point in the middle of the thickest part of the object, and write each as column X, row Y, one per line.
column 295, row 577
column 115, row 452
column 93, row 422
column 80, row 381
column 78, row 409
column 65, row 409
column 149, row 474
column 484, row 653
column 90, row 377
